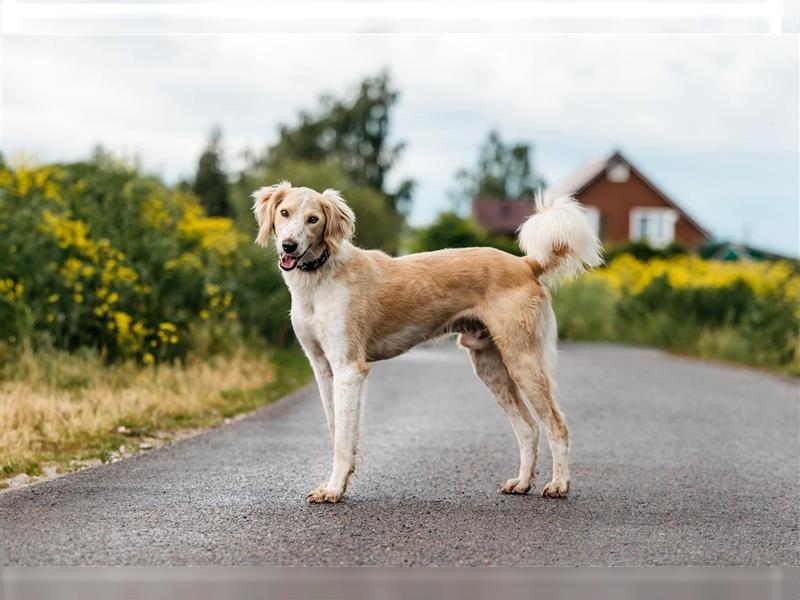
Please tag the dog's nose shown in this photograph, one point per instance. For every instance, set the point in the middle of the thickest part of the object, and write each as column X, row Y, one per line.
column 289, row 246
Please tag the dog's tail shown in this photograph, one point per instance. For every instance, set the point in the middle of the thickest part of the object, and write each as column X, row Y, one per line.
column 559, row 239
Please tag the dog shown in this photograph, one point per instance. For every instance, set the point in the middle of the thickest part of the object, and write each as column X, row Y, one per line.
column 352, row 307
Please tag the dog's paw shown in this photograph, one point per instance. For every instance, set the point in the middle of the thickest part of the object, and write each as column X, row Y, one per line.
column 556, row 489
column 515, row 486
column 323, row 495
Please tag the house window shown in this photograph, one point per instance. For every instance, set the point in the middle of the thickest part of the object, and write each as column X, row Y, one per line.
column 593, row 214
column 619, row 173
column 654, row 225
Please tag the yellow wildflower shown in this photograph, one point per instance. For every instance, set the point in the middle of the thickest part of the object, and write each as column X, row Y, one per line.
column 123, row 321
column 155, row 213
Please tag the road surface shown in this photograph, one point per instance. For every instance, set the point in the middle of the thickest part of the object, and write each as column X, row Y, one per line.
column 675, row 462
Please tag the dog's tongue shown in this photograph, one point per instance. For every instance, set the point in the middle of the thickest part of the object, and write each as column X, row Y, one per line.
column 288, row 262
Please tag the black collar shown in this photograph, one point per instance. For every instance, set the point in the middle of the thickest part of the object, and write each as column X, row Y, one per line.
column 316, row 263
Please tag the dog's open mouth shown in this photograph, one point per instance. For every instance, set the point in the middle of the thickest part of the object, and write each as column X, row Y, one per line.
column 288, row 262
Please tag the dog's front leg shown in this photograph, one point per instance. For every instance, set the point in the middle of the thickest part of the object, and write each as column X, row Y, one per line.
column 322, row 371
column 348, row 389
column 324, row 377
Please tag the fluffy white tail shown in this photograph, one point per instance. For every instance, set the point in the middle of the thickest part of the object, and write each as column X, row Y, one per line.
column 560, row 239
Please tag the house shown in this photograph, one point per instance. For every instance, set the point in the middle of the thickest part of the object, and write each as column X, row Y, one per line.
column 622, row 205
column 501, row 216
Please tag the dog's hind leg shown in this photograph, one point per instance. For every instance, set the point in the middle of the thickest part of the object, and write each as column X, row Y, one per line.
column 528, row 370
column 490, row 368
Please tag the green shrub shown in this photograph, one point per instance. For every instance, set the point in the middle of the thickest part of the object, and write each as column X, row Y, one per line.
column 744, row 312
column 585, row 310
column 96, row 254
column 641, row 250
column 452, row 231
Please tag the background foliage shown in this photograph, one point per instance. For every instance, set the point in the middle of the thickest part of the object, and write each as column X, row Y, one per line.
column 748, row 312
column 97, row 254
column 211, row 181
column 502, row 170
column 449, row 230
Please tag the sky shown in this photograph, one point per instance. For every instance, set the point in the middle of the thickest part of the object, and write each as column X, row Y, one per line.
column 712, row 120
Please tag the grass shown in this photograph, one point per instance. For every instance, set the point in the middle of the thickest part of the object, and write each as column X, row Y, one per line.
column 57, row 408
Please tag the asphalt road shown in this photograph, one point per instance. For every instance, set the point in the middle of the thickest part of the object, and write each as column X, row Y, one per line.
column 674, row 462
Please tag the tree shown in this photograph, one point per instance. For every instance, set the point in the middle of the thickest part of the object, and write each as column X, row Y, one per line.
column 450, row 230
column 353, row 134
column 211, row 182
column 502, row 171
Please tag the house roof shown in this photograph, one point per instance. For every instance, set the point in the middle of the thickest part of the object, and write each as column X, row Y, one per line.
column 593, row 170
column 580, row 179
column 501, row 215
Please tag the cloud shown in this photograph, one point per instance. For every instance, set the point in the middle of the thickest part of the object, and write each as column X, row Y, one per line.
column 573, row 96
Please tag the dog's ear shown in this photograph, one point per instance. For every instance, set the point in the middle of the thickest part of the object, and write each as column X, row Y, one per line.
column 266, row 200
column 340, row 221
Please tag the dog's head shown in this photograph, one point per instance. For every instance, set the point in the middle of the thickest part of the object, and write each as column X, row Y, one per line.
column 304, row 222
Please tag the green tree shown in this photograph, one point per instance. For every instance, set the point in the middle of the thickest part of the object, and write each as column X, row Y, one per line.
column 450, row 230
column 211, row 182
column 502, row 171
column 352, row 133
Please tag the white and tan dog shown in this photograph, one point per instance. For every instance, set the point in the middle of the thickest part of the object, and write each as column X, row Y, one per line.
column 351, row 307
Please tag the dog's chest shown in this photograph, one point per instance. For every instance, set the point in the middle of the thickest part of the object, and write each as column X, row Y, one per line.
column 319, row 311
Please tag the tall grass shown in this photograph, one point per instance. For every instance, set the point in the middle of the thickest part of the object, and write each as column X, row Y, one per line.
column 58, row 407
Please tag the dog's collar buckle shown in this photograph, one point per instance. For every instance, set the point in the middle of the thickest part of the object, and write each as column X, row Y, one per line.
column 316, row 263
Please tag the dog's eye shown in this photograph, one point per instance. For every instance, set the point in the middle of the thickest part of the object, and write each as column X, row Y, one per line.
column 313, row 219
column 284, row 213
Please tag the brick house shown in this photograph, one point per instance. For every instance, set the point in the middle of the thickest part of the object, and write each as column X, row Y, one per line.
column 622, row 204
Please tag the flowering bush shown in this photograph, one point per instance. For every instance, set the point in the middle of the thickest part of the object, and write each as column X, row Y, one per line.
column 96, row 254
column 743, row 311
column 765, row 279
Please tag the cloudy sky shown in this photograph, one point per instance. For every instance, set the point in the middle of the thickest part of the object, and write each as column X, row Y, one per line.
column 713, row 120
